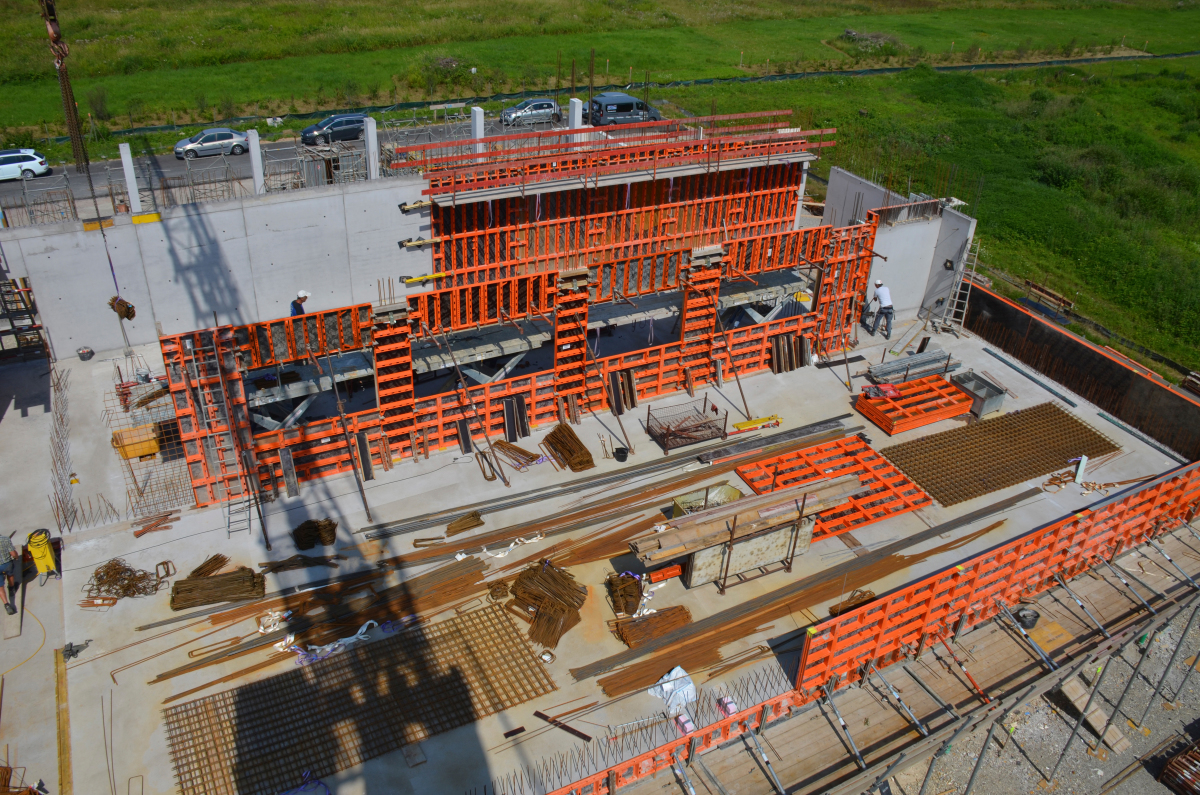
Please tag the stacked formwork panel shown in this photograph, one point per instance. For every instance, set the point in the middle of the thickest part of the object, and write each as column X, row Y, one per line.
column 544, row 256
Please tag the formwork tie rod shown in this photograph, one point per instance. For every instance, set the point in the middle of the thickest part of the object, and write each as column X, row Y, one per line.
column 1182, row 573
column 1116, row 573
column 1058, row 576
column 845, row 729
column 1045, row 657
column 896, row 695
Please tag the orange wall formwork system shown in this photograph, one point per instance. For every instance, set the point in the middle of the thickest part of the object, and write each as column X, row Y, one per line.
column 896, row 626
column 542, row 258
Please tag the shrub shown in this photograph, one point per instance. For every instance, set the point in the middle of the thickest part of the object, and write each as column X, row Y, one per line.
column 227, row 107
column 97, row 100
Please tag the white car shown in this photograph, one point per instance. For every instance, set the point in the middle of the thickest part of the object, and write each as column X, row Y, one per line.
column 22, row 164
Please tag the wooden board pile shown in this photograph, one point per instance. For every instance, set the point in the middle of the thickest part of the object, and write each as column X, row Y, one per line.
column 742, row 518
column 551, row 597
column 634, row 632
column 241, row 583
column 567, row 450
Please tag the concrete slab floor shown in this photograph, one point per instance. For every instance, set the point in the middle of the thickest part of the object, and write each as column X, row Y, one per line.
column 469, row 756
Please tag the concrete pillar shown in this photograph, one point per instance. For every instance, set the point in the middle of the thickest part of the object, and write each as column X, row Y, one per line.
column 256, row 166
column 371, row 139
column 800, row 198
column 477, row 130
column 135, row 201
column 576, row 113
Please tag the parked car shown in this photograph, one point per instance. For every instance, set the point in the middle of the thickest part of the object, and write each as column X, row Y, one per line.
column 22, row 164
column 613, row 107
column 342, row 127
column 213, row 141
column 532, row 111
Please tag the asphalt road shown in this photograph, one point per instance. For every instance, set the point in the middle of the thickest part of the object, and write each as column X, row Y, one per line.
column 161, row 165
column 164, row 166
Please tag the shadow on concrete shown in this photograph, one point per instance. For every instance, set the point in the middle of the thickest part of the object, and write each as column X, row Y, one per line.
column 355, row 705
column 196, row 262
column 23, row 386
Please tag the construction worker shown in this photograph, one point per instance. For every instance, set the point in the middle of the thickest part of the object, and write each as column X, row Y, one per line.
column 884, row 296
column 10, row 561
column 298, row 304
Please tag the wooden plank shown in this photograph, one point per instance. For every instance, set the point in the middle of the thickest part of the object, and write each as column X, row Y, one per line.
column 1074, row 690
column 66, row 784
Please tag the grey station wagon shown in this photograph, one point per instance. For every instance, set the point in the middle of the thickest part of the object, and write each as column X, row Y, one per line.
column 214, row 141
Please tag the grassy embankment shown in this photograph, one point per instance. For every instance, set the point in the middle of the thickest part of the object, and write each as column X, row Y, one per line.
column 1091, row 176
column 165, row 64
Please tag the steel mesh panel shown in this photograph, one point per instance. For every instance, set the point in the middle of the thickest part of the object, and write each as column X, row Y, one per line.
column 353, row 706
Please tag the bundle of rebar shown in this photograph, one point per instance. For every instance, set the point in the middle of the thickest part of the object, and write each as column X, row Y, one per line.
column 634, row 632
column 553, row 598
column 299, row 561
column 625, row 591
column 242, row 583
column 315, row 531
column 118, row 579
column 860, row 596
column 642, row 674
column 464, row 523
column 210, row 566
column 567, row 449
column 518, row 458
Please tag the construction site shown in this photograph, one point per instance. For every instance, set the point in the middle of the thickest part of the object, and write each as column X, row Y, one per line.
column 573, row 462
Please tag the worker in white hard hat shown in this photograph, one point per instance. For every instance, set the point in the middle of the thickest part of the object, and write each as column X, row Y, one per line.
column 884, row 296
column 298, row 304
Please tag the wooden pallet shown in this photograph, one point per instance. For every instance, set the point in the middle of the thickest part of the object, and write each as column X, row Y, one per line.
column 921, row 402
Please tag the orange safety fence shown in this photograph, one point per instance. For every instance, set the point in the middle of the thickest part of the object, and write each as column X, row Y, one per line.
column 921, row 402
column 891, row 492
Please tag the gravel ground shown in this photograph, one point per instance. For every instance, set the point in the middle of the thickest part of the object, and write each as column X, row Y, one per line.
column 1038, row 730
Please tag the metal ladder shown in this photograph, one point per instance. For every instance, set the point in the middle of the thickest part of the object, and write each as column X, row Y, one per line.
column 954, row 312
column 238, row 516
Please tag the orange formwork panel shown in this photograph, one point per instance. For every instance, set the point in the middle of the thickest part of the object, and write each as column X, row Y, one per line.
column 891, row 492
column 920, row 402
column 904, row 622
column 888, row 629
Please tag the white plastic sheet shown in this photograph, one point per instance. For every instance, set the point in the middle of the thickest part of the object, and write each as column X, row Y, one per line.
column 677, row 689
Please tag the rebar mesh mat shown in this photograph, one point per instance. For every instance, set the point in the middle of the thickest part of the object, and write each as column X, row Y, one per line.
column 957, row 465
column 352, row 706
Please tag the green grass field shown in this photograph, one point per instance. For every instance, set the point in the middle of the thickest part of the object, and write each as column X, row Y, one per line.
column 277, row 56
column 1091, row 176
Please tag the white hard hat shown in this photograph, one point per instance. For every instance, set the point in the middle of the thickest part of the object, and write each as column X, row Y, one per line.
column 305, row 293
column 879, row 282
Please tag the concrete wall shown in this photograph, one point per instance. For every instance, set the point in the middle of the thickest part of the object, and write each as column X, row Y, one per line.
column 916, row 249
column 243, row 259
column 954, row 238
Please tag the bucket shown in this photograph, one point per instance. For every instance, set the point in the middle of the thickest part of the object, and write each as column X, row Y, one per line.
column 1028, row 618
column 41, row 551
column 85, row 353
column 621, row 454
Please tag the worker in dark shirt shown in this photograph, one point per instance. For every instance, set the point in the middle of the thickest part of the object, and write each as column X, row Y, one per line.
column 298, row 304
column 10, row 562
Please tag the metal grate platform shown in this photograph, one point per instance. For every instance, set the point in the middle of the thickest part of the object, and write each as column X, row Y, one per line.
column 352, row 706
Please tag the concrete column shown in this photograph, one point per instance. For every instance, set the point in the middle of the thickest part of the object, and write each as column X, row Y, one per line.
column 256, row 166
column 576, row 113
column 371, row 139
column 800, row 198
column 135, row 201
column 477, row 130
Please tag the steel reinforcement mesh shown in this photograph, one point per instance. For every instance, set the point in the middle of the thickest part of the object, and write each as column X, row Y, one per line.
column 352, row 706
column 957, row 465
